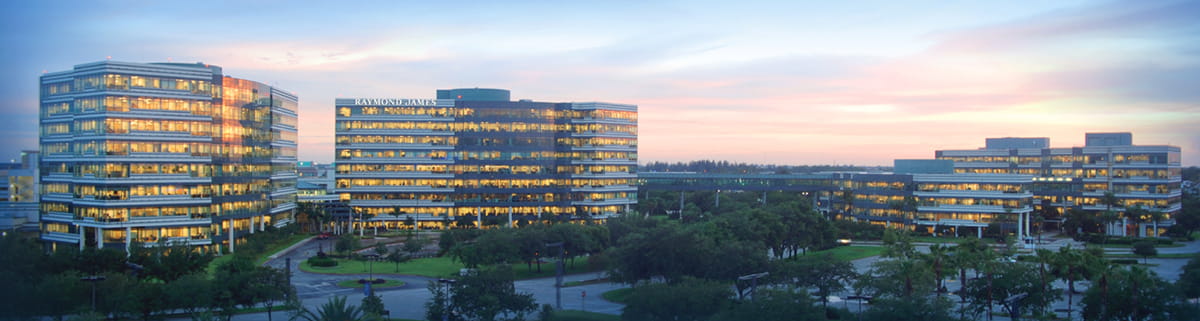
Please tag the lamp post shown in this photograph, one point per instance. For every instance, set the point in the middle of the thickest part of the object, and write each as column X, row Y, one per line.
column 370, row 274
column 861, row 299
column 93, row 279
column 449, row 298
column 558, row 275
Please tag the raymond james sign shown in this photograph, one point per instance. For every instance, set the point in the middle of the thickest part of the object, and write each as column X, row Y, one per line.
column 394, row 102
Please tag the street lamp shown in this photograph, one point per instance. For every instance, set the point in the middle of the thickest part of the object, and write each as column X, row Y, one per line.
column 93, row 279
column 861, row 299
column 370, row 273
column 449, row 298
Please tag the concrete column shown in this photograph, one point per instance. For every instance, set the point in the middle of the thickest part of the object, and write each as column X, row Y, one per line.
column 252, row 224
column 479, row 216
column 82, row 239
column 99, row 238
column 1020, row 224
column 262, row 224
column 510, row 225
column 231, row 236
column 979, row 232
column 1124, row 225
column 128, row 239
column 1029, row 224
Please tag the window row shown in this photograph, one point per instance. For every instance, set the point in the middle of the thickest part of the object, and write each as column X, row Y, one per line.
column 441, row 169
column 345, row 125
column 481, row 183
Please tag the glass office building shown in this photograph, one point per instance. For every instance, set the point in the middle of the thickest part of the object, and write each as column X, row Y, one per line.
column 1148, row 177
column 163, row 153
column 475, row 157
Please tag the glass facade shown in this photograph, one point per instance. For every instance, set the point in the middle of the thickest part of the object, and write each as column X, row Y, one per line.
column 162, row 152
column 473, row 153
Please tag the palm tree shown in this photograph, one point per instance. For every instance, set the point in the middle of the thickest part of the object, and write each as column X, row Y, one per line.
column 937, row 258
column 1043, row 258
column 1109, row 199
column 334, row 310
column 1074, row 265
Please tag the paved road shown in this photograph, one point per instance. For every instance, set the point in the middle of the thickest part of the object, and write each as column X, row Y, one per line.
column 408, row 301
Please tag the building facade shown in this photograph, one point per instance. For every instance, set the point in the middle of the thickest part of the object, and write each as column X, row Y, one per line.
column 19, row 184
column 476, row 157
column 1145, row 177
column 163, row 153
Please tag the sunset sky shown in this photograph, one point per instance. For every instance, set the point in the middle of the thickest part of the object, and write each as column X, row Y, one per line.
column 788, row 82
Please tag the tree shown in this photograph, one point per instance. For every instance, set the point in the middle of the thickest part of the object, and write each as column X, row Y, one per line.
column 487, row 294
column 1133, row 294
column 372, row 306
column 937, row 259
column 897, row 278
column 687, row 300
column 823, row 272
column 190, row 293
column 1189, row 281
column 347, row 243
column 396, row 258
column 1074, row 265
column 897, row 244
column 924, row 308
column 268, row 285
column 1145, row 249
column 334, row 310
column 1006, row 280
column 770, row 305
column 381, row 249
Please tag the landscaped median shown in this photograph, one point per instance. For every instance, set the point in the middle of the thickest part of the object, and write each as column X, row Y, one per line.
column 358, row 285
column 435, row 267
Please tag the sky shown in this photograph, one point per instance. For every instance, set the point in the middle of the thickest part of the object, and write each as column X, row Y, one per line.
column 787, row 82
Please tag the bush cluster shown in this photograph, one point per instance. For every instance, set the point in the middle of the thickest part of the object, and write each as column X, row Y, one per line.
column 321, row 261
column 1098, row 238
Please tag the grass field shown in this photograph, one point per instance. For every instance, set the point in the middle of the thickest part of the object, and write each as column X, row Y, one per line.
column 850, row 253
column 618, row 295
column 576, row 315
column 386, row 284
column 437, row 267
column 293, row 239
column 1129, row 246
column 1160, row 256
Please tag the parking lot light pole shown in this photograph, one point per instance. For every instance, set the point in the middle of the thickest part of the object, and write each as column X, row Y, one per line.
column 93, row 279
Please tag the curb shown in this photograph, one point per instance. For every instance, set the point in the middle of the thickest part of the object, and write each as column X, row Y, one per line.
column 288, row 249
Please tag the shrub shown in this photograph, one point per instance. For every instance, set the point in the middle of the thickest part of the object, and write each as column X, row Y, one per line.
column 321, row 262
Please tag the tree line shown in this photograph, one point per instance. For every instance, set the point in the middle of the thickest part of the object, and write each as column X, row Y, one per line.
column 148, row 283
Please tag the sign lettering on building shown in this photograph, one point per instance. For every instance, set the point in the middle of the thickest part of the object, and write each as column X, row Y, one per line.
column 394, row 102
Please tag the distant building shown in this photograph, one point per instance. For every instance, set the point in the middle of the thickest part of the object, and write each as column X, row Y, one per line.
column 163, row 152
column 476, row 154
column 1146, row 176
column 19, row 194
column 928, row 195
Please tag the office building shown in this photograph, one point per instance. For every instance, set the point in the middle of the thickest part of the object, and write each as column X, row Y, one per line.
column 476, row 157
column 1148, row 177
column 163, row 153
column 19, row 195
column 927, row 195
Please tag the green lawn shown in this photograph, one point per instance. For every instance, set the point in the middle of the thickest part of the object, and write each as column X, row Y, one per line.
column 386, row 284
column 1129, row 246
column 576, row 315
column 945, row 239
column 1160, row 256
column 291, row 240
column 437, row 267
column 618, row 295
column 261, row 259
column 850, row 253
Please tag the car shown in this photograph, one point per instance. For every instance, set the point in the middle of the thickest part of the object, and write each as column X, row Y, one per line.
column 323, row 236
column 843, row 241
